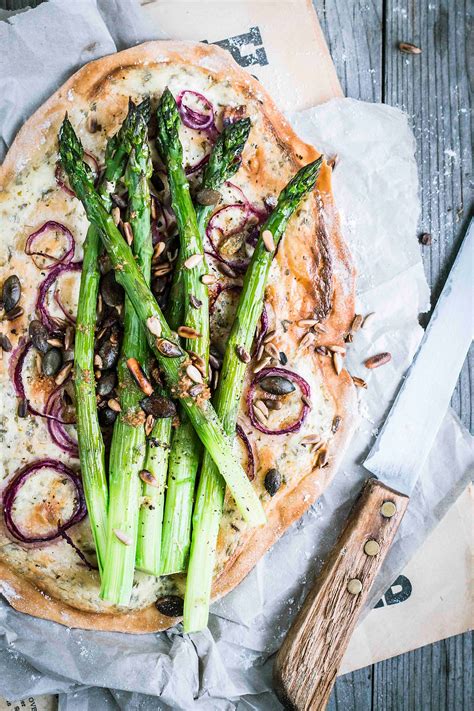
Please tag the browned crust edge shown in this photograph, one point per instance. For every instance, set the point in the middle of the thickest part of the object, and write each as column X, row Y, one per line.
column 22, row 595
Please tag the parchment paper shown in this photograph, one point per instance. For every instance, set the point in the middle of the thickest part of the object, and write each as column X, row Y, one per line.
column 229, row 665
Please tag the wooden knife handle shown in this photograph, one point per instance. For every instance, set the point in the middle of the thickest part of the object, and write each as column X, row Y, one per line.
column 306, row 666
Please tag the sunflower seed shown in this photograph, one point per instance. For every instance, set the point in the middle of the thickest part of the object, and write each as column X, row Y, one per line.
column 273, row 404
column 359, row 382
column 260, row 405
column 323, row 458
column 335, row 424
column 269, row 337
column 310, row 439
column 268, row 241
column 162, row 269
column 272, row 350
column 123, row 537
column 356, row 323
column 116, row 216
column 368, row 320
column 168, row 348
column 242, row 354
column 307, row 340
column 188, row 332
column 215, row 379
column 69, row 337
column 338, row 361
column 260, row 416
column 337, row 349
column 154, row 325
column 196, row 390
column 63, row 374
column 139, row 376
column 98, row 361
column 262, row 364
column 307, row 323
column 307, row 401
column 149, row 478
column 159, row 249
column 199, row 362
column 193, row 373
column 260, row 352
column 408, row 48
column 56, row 342
column 114, row 405
column 208, row 279
column 128, row 232
column 193, row 261
column 195, row 302
column 377, row 360
column 319, row 327
column 149, row 424
column 91, row 124
column 153, row 211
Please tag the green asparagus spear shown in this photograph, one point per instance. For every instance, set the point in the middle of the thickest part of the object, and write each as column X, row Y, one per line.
column 173, row 360
column 91, row 446
column 127, row 453
column 211, row 489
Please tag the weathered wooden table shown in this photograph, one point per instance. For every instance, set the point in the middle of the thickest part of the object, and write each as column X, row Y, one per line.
column 433, row 88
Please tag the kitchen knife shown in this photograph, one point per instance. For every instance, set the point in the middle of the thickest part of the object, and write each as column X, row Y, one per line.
column 306, row 665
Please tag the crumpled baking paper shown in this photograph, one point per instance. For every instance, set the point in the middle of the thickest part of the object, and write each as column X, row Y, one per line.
column 375, row 182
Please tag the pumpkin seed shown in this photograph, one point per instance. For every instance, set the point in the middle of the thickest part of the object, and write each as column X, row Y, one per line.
column 11, row 292
column 277, row 385
column 111, row 291
column 272, row 481
column 106, row 383
column 168, row 348
column 39, row 336
column 158, row 406
column 52, row 361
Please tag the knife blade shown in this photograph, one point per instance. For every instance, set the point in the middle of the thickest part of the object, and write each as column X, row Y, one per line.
column 424, row 396
column 306, row 665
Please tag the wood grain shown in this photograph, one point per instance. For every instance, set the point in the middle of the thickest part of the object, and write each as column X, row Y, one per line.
column 307, row 662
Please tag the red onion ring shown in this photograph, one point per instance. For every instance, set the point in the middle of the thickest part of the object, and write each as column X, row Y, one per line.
column 250, row 456
column 51, row 225
column 191, row 169
column 56, row 427
column 238, row 265
column 46, row 319
column 192, row 118
column 11, row 492
column 289, row 375
column 61, row 178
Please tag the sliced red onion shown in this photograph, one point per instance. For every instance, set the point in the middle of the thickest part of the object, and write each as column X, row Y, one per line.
column 250, row 457
column 289, row 375
column 200, row 118
column 216, row 231
column 191, row 169
column 57, row 426
column 61, row 179
column 14, row 486
column 46, row 319
column 51, row 225
column 263, row 328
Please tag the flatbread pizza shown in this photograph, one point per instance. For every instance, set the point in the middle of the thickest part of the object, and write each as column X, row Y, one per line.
column 296, row 407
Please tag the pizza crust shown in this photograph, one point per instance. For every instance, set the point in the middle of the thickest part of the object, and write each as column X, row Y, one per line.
column 91, row 83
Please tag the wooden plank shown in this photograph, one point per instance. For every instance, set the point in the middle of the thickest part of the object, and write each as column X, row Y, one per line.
column 353, row 692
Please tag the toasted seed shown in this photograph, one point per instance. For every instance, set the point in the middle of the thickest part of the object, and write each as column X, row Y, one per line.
column 260, row 416
column 109, row 353
column 310, row 439
column 139, row 376
column 338, row 362
column 110, row 290
column 11, row 293
column 307, row 323
column 272, row 351
column 323, row 458
column 269, row 337
column 194, row 301
column 262, row 364
column 56, row 342
column 337, row 349
column 91, row 124
column 215, row 379
column 193, row 373
column 149, row 478
column 208, row 279
column 193, row 261
column 268, row 241
column 116, row 216
column 123, row 537
column 369, row 319
column 195, row 390
column 39, row 336
column 307, row 401
column 5, row 343
column 408, row 48
column 377, row 360
column 14, row 313
column 98, row 361
column 277, row 385
column 272, row 481
column 162, row 269
column 69, row 337
column 283, row 358
column 63, row 373
column 114, row 405
column 242, row 354
column 356, row 322
column 154, row 325
column 128, row 232
column 149, row 424
column 273, row 404
column 226, row 270
column 208, row 196
column 335, row 424
column 321, row 350
column 359, row 382
column 107, row 416
column 188, row 332
column 153, row 210
column 425, row 239
column 106, row 384
column 260, row 352
column 260, row 405
column 214, row 362
column 22, row 409
column 307, row 340
column 159, row 406
column 159, row 249
column 168, row 348
column 118, row 200
column 170, row 605
column 199, row 362
column 52, row 361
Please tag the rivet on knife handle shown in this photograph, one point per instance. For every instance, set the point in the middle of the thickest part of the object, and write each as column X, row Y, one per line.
column 306, row 665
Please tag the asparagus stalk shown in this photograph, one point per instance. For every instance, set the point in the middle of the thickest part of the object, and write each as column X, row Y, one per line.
column 127, row 453
column 172, row 359
column 185, row 450
column 91, row 445
column 211, row 489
